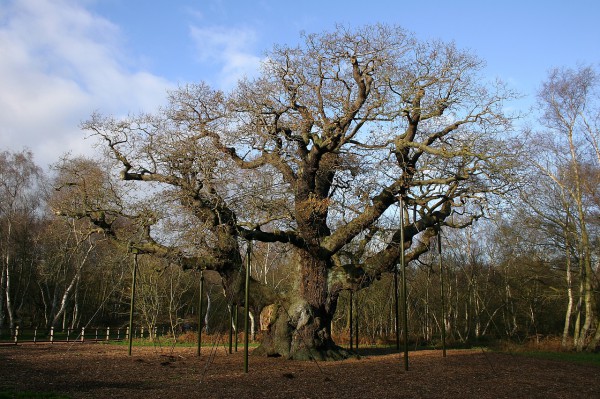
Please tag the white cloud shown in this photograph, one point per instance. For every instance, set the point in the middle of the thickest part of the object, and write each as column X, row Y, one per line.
column 228, row 49
column 58, row 64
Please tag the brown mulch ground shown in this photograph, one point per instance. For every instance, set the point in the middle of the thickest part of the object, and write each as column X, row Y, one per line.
column 106, row 371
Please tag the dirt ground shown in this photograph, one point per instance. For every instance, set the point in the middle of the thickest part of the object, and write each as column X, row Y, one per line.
column 106, row 371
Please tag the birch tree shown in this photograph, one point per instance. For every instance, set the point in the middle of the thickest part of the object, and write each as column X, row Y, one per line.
column 566, row 153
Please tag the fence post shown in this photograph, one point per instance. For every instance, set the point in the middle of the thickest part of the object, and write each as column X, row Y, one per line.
column 82, row 334
column 35, row 335
column 16, row 334
column 142, row 333
column 107, row 333
column 68, row 333
column 127, row 333
column 51, row 335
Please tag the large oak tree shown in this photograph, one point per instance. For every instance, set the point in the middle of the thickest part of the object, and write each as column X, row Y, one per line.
column 315, row 154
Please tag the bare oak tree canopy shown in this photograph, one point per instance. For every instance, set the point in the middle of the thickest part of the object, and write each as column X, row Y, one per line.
column 315, row 153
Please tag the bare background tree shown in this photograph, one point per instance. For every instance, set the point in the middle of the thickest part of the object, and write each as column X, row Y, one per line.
column 20, row 188
column 566, row 163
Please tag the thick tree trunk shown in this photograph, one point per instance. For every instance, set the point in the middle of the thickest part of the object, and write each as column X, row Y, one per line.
column 595, row 342
column 300, row 326
column 586, row 289
column 577, row 329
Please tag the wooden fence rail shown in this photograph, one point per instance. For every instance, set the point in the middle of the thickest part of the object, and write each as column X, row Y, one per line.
column 95, row 334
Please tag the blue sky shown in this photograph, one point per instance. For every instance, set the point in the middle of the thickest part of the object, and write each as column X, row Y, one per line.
column 61, row 60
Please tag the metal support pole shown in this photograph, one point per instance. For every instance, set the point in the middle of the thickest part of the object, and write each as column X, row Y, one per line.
column 443, row 318
column 404, row 296
column 231, row 328
column 247, row 307
column 235, row 322
column 396, row 308
column 351, row 325
column 200, row 311
column 132, row 303
column 356, row 321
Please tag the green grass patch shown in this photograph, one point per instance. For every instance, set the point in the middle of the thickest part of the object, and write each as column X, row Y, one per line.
column 547, row 348
column 575, row 357
column 10, row 394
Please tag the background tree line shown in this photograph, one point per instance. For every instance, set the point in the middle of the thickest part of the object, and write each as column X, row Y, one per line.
column 527, row 267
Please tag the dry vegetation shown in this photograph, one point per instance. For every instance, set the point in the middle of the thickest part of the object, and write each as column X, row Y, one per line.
column 106, row 371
